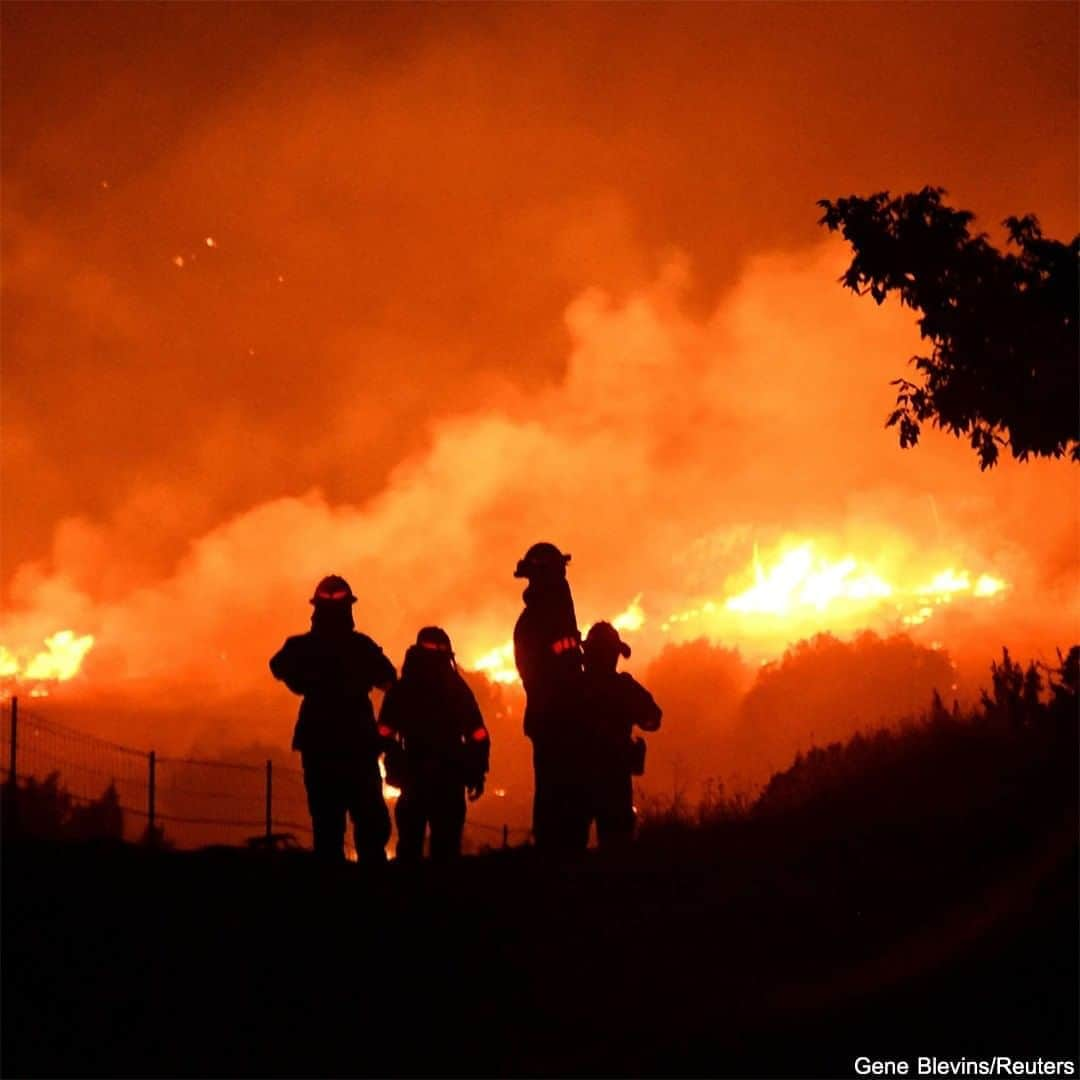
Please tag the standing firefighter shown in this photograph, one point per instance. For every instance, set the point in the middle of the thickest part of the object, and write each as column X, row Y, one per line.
column 334, row 668
column 439, row 747
column 547, row 651
column 614, row 704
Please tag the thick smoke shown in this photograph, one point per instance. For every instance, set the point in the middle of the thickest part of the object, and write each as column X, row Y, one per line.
column 396, row 297
column 668, row 447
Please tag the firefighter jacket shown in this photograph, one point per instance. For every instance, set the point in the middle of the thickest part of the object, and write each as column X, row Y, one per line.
column 547, row 652
column 433, row 715
column 613, row 704
column 334, row 669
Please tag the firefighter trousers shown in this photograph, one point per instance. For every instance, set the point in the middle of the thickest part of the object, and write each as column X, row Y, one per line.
column 336, row 788
column 431, row 799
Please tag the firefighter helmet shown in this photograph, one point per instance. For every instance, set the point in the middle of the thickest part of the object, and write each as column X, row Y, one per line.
column 603, row 637
column 333, row 590
column 434, row 638
column 540, row 558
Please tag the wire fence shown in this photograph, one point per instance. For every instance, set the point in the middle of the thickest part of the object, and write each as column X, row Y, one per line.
column 70, row 782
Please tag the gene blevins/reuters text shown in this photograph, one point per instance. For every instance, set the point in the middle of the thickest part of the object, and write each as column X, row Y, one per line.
column 932, row 1066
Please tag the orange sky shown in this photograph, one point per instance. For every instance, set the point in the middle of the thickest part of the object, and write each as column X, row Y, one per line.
column 484, row 275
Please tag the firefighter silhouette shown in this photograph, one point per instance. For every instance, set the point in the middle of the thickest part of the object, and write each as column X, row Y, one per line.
column 614, row 703
column 547, row 651
column 334, row 668
column 437, row 747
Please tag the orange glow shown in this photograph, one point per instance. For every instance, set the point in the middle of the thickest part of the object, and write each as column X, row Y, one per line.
column 794, row 592
column 946, row 584
column 802, row 580
column 633, row 618
column 389, row 791
column 799, row 591
column 989, row 586
column 59, row 661
column 498, row 664
column 411, row 316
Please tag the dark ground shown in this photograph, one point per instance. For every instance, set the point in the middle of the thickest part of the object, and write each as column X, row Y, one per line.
column 778, row 947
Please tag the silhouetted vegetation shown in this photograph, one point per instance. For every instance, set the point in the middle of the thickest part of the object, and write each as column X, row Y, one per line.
column 1025, row 724
column 1003, row 368
column 907, row 890
column 46, row 810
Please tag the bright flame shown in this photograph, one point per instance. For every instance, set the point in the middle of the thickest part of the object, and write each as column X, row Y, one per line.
column 59, row 661
column 389, row 791
column 917, row 617
column 62, row 658
column 633, row 618
column 802, row 580
column 946, row 583
column 9, row 666
column 801, row 590
column 989, row 586
column 498, row 664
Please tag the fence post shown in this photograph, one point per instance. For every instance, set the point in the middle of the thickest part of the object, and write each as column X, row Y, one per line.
column 150, row 807
column 12, row 774
column 269, row 800
column 12, row 807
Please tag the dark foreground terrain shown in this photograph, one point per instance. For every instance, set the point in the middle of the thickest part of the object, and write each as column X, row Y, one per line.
column 891, row 922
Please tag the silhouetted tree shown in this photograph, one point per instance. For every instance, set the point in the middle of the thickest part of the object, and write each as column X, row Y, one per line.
column 102, row 819
column 1015, row 700
column 824, row 689
column 43, row 807
column 45, row 810
column 1003, row 368
column 1064, row 682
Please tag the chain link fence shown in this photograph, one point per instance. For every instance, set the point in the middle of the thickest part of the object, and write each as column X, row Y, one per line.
column 71, row 783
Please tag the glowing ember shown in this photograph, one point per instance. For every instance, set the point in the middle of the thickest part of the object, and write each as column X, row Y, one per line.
column 917, row 617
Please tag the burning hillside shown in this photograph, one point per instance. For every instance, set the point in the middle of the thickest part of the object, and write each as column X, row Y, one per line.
column 617, row 463
column 59, row 661
column 405, row 320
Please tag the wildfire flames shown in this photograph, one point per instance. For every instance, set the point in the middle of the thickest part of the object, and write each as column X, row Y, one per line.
column 498, row 663
column 796, row 592
column 802, row 591
column 59, row 661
